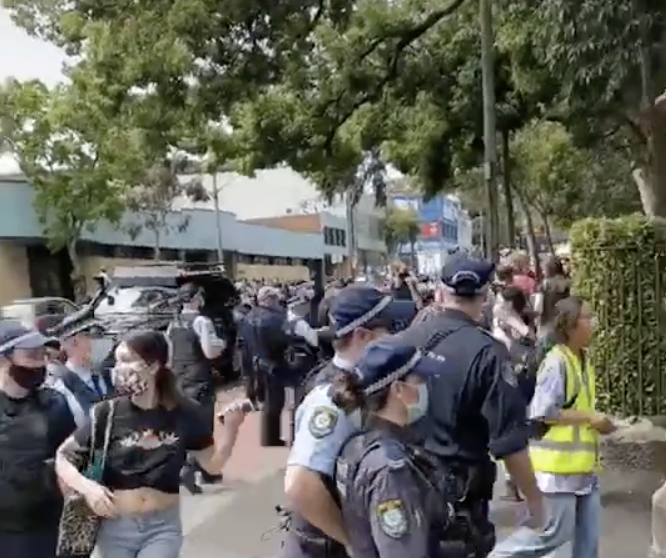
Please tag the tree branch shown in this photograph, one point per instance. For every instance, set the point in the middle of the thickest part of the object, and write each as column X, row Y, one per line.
column 406, row 38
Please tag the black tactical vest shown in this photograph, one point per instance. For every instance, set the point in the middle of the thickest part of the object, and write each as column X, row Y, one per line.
column 30, row 431
column 192, row 369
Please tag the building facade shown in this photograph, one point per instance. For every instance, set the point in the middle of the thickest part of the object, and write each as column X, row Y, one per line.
column 28, row 268
column 284, row 199
column 445, row 228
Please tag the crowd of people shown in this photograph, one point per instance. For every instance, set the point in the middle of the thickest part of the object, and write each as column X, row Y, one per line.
column 408, row 391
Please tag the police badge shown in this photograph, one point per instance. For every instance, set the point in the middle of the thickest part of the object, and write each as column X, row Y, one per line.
column 392, row 518
column 323, row 422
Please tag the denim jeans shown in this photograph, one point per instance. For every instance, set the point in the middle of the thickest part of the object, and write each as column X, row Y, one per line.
column 570, row 519
column 156, row 534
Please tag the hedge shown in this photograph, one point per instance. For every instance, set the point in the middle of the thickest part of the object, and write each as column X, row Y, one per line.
column 620, row 268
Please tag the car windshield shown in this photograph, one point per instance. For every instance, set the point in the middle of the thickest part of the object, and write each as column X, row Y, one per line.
column 130, row 299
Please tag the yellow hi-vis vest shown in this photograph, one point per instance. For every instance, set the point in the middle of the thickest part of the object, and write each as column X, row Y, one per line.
column 570, row 450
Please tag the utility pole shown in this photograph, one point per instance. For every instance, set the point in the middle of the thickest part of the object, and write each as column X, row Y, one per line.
column 489, row 126
column 213, row 171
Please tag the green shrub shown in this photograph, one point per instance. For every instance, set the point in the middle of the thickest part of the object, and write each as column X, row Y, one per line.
column 619, row 267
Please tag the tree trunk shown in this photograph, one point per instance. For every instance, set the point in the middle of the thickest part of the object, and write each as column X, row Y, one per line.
column 506, row 187
column 531, row 237
column 156, row 246
column 78, row 278
column 415, row 261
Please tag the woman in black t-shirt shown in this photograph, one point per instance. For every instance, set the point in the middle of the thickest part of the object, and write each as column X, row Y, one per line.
column 153, row 429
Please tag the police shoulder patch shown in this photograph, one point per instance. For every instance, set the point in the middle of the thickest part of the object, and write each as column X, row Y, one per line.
column 323, row 422
column 392, row 518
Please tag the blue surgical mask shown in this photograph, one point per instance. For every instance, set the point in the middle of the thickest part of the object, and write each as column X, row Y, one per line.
column 419, row 409
column 100, row 349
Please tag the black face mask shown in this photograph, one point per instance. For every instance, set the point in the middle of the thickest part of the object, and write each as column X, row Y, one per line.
column 27, row 377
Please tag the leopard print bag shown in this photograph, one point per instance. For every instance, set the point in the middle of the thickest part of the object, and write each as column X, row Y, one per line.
column 77, row 532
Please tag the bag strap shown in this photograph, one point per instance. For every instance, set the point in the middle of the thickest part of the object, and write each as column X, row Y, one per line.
column 102, row 417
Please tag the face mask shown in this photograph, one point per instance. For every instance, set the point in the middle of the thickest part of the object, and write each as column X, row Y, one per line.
column 100, row 349
column 419, row 409
column 27, row 377
column 127, row 380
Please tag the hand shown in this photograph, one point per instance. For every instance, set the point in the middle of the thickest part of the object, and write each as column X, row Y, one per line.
column 602, row 424
column 536, row 514
column 100, row 500
column 232, row 417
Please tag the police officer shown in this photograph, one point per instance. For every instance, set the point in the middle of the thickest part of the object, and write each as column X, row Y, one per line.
column 34, row 421
column 267, row 340
column 82, row 379
column 393, row 502
column 359, row 314
column 477, row 406
column 194, row 343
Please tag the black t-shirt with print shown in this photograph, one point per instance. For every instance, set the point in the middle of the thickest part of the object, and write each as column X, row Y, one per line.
column 148, row 447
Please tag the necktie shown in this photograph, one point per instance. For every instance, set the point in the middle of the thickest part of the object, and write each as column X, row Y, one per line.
column 97, row 385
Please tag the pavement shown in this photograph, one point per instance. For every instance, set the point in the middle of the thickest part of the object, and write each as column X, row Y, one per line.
column 235, row 520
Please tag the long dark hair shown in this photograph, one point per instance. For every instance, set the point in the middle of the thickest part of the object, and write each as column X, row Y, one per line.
column 347, row 393
column 152, row 347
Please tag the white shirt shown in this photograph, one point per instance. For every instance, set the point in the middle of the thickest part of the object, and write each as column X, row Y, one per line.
column 303, row 329
column 211, row 345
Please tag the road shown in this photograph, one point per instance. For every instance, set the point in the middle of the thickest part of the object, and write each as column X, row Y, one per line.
column 229, row 521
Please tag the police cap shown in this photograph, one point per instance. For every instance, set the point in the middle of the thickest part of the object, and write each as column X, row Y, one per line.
column 467, row 277
column 358, row 306
column 75, row 325
column 389, row 360
column 14, row 335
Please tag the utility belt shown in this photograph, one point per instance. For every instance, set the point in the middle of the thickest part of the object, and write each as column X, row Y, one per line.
column 313, row 542
column 465, row 530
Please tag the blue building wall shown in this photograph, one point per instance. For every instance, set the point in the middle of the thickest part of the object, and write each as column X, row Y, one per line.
column 18, row 220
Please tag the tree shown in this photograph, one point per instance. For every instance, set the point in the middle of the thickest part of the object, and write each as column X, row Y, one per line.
column 77, row 162
column 606, row 63
column 562, row 183
column 399, row 227
column 161, row 184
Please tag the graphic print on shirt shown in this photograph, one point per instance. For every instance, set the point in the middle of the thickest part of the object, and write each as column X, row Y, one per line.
column 149, row 439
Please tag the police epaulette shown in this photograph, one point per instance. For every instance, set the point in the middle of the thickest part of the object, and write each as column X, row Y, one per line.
column 395, row 455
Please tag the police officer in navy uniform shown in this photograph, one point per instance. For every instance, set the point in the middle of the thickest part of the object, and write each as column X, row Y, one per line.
column 393, row 502
column 34, row 421
column 267, row 340
column 477, row 409
column 83, row 380
column 194, row 344
column 359, row 314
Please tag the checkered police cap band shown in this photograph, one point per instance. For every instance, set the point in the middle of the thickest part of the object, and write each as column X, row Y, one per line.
column 364, row 319
column 11, row 344
column 393, row 376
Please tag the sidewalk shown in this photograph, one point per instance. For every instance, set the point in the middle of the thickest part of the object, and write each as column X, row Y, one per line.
column 229, row 521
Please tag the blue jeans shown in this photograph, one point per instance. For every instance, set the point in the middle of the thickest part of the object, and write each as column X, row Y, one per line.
column 156, row 534
column 570, row 519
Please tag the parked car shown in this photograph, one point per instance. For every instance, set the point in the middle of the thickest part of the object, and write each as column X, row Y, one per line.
column 43, row 313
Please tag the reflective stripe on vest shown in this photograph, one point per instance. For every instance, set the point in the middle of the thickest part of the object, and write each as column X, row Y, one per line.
column 568, row 450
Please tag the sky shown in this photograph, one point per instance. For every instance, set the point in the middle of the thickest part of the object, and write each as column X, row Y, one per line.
column 24, row 57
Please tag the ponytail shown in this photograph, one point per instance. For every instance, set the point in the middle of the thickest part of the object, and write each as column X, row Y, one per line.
column 347, row 392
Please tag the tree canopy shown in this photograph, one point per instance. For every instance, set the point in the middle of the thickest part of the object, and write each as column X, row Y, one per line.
column 340, row 89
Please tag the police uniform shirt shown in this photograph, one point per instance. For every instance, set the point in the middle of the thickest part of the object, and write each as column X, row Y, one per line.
column 476, row 404
column 321, row 428
column 95, row 384
column 396, row 507
column 205, row 331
